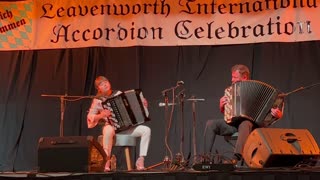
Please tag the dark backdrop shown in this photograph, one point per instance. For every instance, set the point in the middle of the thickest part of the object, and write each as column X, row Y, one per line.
column 25, row 116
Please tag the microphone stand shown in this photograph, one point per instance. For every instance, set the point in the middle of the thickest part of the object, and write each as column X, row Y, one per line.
column 181, row 98
column 168, row 118
column 166, row 161
column 63, row 99
column 299, row 89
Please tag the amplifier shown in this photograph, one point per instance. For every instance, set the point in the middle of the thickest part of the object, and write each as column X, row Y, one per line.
column 70, row 154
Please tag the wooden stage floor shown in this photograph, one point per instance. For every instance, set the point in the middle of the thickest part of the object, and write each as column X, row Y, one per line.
column 301, row 173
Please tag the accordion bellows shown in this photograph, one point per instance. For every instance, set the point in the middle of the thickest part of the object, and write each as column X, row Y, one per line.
column 251, row 100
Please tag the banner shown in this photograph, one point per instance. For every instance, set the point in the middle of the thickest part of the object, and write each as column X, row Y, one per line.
column 51, row 24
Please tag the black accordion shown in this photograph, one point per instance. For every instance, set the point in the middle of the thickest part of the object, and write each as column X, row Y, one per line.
column 251, row 100
column 127, row 109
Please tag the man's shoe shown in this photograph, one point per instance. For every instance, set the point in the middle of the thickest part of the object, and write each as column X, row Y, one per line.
column 236, row 158
column 234, row 161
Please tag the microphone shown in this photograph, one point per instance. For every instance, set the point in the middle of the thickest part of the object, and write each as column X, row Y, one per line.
column 161, row 104
column 179, row 83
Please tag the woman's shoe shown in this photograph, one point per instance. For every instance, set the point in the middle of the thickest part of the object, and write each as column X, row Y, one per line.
column 107, row 166
column 140, row 163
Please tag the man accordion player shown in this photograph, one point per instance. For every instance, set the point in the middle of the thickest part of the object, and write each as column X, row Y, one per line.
column 245, row 114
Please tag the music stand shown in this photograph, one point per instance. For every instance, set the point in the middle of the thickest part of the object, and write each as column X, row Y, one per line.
column 194, row 100
column 63, row 99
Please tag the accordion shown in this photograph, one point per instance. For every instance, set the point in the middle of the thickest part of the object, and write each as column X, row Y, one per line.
column 251, row 100
column 127, row 109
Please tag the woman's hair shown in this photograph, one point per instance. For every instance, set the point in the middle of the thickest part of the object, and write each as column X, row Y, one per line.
column 99, row 80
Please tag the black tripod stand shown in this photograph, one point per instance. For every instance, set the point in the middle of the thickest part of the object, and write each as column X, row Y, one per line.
column 167, row 160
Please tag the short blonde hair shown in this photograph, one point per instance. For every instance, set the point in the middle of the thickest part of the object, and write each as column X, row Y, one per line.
column 243, row 69
column 99, row 80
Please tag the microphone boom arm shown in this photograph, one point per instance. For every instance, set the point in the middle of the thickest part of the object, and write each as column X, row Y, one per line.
column 299, row 89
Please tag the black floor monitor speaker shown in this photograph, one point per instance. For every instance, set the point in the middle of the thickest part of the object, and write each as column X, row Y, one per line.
column 275, row 147
column 70, row 154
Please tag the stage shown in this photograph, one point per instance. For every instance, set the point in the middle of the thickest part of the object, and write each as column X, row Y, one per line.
column 301, row 173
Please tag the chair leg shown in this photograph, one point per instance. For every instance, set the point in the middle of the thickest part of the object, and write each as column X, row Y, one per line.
column 128, row 158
